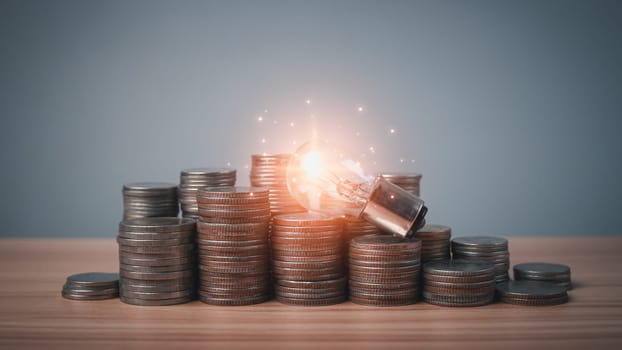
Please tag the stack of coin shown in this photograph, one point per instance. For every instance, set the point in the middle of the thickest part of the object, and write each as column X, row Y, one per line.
column 532, row 293
column 307, row 259
column 458, row 283
column 492, row 250
column 554, row 273
column 157, row 261
column 91, row 286
column 270, row 170
column 191, row 180
column 435, row 242
column 234, row 260
column 149, row 199
column 411, row 182
column 384, row 270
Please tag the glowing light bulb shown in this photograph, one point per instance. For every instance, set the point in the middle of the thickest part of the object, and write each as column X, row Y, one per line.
column 324, row 179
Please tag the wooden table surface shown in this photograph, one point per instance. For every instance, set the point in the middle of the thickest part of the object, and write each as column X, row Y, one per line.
column 33, row 314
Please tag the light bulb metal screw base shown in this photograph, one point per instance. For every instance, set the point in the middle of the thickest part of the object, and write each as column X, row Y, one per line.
column 393, row 209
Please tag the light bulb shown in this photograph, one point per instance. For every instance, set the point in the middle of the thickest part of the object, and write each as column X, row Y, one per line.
column 324, row 179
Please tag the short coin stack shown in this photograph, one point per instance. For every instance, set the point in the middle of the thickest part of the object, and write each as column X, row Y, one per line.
column 532, row 293
column 411, row 182
column 91, row 286
column 157, row 261
column 458, row 283
column 234, row 260
column 384, row 270
column 307, row 259
column 149, row 199
column 492, row 250
column 537, row 271
column 191, row 180
column 270, row 171
column 435, row 242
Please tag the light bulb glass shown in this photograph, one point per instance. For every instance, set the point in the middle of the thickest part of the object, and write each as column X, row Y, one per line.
column 325, row 179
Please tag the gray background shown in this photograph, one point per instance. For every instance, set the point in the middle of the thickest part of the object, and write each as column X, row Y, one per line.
column 510, row 109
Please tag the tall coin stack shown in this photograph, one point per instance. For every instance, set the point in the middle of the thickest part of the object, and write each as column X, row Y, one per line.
column 384, row 270
column 156, row 259
column 234, row 263
column 492, row 250
column 149, row 199
column 435, row 241
column 307, row 259
column 410, row 182
column 270, row 170
column 191, row 180
column 458, row 283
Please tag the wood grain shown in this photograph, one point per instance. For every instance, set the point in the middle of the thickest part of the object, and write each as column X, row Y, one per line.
column 33, row 314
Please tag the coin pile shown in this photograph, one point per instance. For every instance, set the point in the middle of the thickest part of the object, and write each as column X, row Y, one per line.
column 191, row 180
column 91, row 286
column 234, row 260
column 492, row 250
column 532, row 293
column 270, row 170
column 434, row 242
column 149, row 199
column 307, row 259
column 157, row 261
column 384, row 270
column 458, row 283
column 554, row 273
column 411, row 182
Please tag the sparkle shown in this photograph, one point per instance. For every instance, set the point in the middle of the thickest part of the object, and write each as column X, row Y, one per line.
column 308, row 101
column 391, row 131
column 263, row 140
column 372, row 149
column 392, row 196
column 402, row 160
column 229, row 164
column 260, row 119
column 291, row 124
column 359, row 108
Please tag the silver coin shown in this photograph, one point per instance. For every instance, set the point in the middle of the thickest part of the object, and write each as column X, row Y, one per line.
column 94, row 279
column 160, row 224
column 458, row 268
column 542, row 269
column 481, row 241
column 89, row 291
column 156, row 276
column 162, row 302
